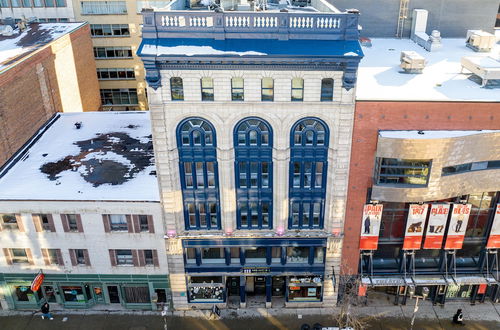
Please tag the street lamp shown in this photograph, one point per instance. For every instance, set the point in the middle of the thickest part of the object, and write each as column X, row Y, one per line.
column 425, row 293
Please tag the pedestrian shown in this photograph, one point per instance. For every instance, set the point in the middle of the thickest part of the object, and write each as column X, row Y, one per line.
column 367, row 225
column 46, row 311
column 458, row 318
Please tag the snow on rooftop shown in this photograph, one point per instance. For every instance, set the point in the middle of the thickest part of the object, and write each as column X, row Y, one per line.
column 14, row 47
column 379, row 76
column 191, row 51
column 109, row 158
column 422, row 135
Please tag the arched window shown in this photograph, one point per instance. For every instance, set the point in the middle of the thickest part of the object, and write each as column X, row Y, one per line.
column 196, row 143
column 253, row 142
column 308, row 164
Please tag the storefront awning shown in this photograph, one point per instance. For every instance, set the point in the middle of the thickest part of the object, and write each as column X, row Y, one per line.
column 470, row 280
column 429, row 280
column 383, row 281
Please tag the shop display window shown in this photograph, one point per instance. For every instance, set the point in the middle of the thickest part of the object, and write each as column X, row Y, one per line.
column 206, row 289
column 297, row 255
column 73, row 294
column 24, row 293
column 319, row 255
column 235, row 255
column 212, row 255
column 136, row 294
column 255, row 255
column 276, row 254
column 305, row 288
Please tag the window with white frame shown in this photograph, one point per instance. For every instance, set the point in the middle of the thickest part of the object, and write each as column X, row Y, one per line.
column 124, row 257
column 19, row 256
column 9, row 221
column 118, row 222
column 109, row 30
column 115, row 74
column 104, row 7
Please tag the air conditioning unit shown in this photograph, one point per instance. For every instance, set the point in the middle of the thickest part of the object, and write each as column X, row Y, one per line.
column 480, row 41
column 6, row 30
column 412, row 62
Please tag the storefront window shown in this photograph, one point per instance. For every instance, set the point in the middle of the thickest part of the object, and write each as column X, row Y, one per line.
column 191, row 255
column 49, row 293
column 386, row 258
column 425, row 259
column 305, row 288
column 468, row 256
column 393, row 221
column 206, row 289
column 212, row 255
column 319, row 255
column 458, row 291
column 481, row 209
column 235, row 256
column 73, row 294
column 297, row 255
column 136, row 294
column 24, row 293
column 255, row 255
column 276, row 255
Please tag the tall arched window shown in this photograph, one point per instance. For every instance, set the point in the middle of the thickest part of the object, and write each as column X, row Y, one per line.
column 308, row 164
column 253, row 143
column 196, row 143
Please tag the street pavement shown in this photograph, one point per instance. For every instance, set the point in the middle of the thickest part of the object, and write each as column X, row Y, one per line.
column 389, row 317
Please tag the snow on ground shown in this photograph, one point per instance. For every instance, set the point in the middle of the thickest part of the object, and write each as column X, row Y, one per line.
column 31, row 39
column 90, row 159
column 431, row 134
column 379, row 75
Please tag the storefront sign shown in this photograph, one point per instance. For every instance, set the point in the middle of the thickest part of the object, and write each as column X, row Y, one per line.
column 415, row 225
column 458, row 225
column 37, row 281
column 482, row 289
column 370, row 226
column 255, row 270
column 437, row 223
column 494, row 239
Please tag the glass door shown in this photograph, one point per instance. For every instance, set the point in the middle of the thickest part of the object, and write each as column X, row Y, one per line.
column 114, row 294
column 98, row 294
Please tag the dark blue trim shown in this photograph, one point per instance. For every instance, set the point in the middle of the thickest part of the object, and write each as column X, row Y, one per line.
column 201, row 148
column 253, row 242
column 259, row 154
column 308, row 156
column 296, row 269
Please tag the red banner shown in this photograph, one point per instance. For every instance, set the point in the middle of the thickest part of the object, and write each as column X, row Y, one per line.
column 370, row 226
column 458, row 225
column 362, row 290
column 415, row 224
column 494, row 239
column 437, row 223
column 481, row 289
column 37, row 282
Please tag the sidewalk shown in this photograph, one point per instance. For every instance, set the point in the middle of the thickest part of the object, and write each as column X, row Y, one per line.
column 381, row 317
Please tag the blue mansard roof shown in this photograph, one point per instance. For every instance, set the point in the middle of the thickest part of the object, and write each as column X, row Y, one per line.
column 255, row 48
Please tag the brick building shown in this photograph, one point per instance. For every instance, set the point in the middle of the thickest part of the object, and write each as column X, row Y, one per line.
column 49, row 68
column 425, row 142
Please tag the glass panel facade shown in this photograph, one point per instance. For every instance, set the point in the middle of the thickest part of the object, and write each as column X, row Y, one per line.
column 403, row 171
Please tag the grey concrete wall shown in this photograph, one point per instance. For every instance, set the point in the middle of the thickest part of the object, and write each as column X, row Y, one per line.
column 452, row 17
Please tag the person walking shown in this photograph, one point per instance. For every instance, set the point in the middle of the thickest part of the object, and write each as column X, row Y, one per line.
column 46, row 311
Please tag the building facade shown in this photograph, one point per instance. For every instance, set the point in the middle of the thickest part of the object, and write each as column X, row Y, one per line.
column 252, row 117
column 44, row 70
column 83, row 209
column 428, row 159
column 43, row 11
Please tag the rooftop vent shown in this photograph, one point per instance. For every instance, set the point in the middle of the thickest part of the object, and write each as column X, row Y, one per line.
column 78, row 125
column 480, row 41
column 6, row 30
column 412, row 62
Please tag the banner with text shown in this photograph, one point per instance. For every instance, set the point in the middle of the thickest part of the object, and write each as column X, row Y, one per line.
column 415, row 224
column 435, row 229
column 494, row 239
column 370, row 226
column 458, row 224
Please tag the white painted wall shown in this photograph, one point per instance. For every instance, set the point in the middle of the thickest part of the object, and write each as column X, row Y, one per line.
column 94, row 238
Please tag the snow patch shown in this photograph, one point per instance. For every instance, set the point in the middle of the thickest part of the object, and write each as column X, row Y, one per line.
column 192, row 51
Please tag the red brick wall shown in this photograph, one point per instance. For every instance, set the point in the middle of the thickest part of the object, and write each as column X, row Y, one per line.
column 22, row 110
column 370, row 117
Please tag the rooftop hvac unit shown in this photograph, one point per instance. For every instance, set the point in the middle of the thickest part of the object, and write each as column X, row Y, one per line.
column 6, row 30
column 480, row 41
column 412, row 62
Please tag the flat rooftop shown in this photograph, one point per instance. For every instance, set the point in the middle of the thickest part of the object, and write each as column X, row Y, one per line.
column 381, row 79
column 424, row 135
column 109, row 158
column 15, row 48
